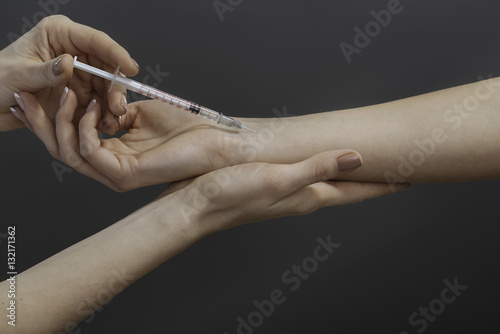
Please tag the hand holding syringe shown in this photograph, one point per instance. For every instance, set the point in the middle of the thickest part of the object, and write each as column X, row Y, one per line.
column 160, row 95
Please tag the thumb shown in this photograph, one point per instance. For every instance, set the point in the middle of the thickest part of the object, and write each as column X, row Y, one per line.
column 53, row 73
column 322, row 167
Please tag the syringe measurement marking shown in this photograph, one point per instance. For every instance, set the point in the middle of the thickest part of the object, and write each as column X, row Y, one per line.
column 167, row 98
column 158, row 94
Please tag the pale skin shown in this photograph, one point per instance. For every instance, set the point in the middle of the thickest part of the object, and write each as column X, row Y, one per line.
column 63, row 290
column 39, row 63
column 464, row 137
column 467, row 153
column 80, row 279
column 445, row 136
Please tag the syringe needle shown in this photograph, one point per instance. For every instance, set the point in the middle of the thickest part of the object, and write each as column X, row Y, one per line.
column 244, row 127
column 157, row 94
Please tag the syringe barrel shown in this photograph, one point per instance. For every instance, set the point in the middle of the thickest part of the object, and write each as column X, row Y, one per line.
column 228, row 121
column 157, row 94
column 128, row 84
column 153, row 93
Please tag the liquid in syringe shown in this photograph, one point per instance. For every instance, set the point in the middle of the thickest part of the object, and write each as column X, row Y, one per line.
column 157, row 94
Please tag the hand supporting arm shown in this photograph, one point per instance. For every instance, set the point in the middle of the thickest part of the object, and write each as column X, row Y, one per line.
column 63, row 290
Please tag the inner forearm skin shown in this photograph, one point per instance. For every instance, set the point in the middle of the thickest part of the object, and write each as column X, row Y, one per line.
column 65, row 289
column 445, row 136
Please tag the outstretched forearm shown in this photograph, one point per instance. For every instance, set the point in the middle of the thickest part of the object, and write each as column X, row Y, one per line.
column 444, row 136
column 63, row 290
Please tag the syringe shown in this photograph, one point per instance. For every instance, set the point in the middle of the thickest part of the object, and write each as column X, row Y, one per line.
column 157, row 94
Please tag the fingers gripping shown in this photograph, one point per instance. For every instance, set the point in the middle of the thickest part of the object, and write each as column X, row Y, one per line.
column 321, row 167
column 66, row 131
column 38, row 122
column 90, row 144
column 312, row 189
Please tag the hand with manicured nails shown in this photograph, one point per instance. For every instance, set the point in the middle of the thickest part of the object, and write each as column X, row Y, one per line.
column 162, row 144
column 187, row 212
column 41, row 63
column 253, row 192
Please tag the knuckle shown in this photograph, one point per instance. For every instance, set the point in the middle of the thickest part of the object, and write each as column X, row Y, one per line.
column 85, row 129
column 118, row 189
column 54, row 153
column 61, row 17
column 275, row 183
column 70, row 158
column 306, row 206
column 124, row 184
column 99, row 39
column 52, row 20
column 301, row 209
column 46, row 72
column 86, row 151
column 34, row 114
column 104, row 35
column 321, row 171
column 45, row 22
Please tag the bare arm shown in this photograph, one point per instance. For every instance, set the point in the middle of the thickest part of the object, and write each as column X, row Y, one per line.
column 60, row 292
column 444, row 136
column 63, row 290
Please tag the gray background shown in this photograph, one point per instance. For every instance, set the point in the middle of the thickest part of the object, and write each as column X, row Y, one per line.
column 396, row 251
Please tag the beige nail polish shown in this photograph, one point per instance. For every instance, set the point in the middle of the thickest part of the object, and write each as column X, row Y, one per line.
column 349, row 162
column 57, row 69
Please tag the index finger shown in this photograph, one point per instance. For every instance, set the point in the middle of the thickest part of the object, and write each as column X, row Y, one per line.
column 90, row 41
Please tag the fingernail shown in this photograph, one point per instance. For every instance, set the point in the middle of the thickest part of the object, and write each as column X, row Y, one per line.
column 64, row 95
column 124, row 103
column 91, row 105
column 20, row 101
column 118, row 119
column 349, row 162
column 57, row 69
column 135, row 63
column 14, row 111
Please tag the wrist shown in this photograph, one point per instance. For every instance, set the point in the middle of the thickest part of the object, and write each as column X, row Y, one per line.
column 184, row 209
column 273, row 141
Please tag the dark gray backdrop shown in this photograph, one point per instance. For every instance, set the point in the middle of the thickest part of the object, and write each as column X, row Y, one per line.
column 395, row 251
